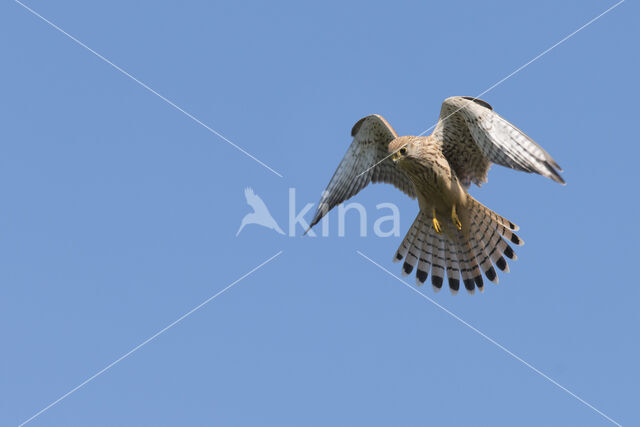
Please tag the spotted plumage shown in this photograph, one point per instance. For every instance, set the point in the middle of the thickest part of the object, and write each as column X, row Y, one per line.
column 453, row 232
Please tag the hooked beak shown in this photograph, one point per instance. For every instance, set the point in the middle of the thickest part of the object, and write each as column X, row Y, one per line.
column 395, row 157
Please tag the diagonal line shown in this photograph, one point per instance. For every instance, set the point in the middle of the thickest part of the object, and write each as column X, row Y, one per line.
column 191, row 116
column 491, row 340
column 148, row 340
column 540, row 55
column 513, row 73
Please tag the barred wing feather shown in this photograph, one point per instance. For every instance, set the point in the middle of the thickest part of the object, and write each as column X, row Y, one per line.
column 368, row 153
column 473, row 136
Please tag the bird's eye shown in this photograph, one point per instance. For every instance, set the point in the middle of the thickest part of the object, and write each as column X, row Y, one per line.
column 403, row 150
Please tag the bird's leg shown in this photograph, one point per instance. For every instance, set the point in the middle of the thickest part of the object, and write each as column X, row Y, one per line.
column 455, row 219
column 436, row 223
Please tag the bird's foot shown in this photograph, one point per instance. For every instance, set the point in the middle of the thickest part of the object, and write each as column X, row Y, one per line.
column 455, row 219
column 436, row 223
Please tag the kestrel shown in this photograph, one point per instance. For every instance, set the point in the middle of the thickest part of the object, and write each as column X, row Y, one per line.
column 453, row 231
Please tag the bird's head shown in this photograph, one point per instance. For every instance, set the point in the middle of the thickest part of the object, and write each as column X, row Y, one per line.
column 402, row 148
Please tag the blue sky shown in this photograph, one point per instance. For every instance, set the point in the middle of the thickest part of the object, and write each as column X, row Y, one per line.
column 119, row 215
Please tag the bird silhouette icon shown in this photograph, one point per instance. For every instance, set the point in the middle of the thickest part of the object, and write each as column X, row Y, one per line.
column 260, row 214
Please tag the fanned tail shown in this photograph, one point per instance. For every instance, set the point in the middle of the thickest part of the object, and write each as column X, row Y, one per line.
column 464, row 254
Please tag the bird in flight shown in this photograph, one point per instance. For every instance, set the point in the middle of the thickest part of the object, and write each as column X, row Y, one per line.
column 260, row 214
column 453, row 232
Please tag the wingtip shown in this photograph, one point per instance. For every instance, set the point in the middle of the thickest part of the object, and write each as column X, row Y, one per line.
column 313, row 223
column 553, row 169
column 557, row 178
column 555, row 164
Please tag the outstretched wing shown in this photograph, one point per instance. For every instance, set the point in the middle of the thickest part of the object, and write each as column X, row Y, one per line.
column 366, row 161
column 472, row 136
column 254, row 201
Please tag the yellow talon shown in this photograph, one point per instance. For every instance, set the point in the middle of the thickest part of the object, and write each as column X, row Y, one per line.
column 436, row 223
column 456, row 220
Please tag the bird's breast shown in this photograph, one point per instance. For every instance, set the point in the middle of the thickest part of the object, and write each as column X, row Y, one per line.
column 436, row 185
